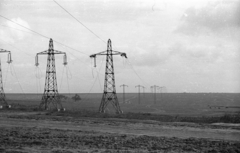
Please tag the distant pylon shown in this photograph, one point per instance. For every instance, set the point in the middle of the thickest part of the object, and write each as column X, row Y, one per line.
column 154, row 92
column 139, row 93
column 50, row 98
column 124, row 92
column 161, row 90
column 3, row 102
column 109, row 93
column 143, row 91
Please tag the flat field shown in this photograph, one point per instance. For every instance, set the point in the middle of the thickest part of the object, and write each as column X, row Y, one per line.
column 166, row 103
column 177, row 122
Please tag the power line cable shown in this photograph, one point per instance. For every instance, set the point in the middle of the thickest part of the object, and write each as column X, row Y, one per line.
column 42, row 35
column 17, row 78
column 25, row 27
column 93, row 82
column 80, row 22
column 15, row 28
column 131, row 66
column 16, row 48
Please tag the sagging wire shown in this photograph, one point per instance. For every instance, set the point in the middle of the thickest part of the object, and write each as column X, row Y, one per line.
column 38, row 75
column 131, row 66
column 93, row 82
column 62, row 78
column 15, row 75
column 68, row 72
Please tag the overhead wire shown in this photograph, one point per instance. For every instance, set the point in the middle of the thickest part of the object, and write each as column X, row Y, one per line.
column 6, row 75
column 17, row 78
column 62, row 77
column 131, row 66
column 71, row 47
column 93, row 82
column 41, row 34
column 80, row 22
column 16, row 48
column 16, row 29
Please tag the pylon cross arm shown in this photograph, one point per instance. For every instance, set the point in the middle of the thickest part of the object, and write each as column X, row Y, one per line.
column 119, row 53
column 46, row 52
column 3, row 50
column 106, row 53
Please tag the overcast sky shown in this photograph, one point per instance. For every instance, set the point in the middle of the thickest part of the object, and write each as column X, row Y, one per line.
column 187, row 45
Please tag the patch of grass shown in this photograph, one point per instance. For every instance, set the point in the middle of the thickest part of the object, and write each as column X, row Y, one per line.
column 227, row 118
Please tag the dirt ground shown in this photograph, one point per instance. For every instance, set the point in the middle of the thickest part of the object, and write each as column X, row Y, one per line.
column 29, row 132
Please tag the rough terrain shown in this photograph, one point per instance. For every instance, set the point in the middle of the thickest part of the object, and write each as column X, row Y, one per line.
column 38, row 132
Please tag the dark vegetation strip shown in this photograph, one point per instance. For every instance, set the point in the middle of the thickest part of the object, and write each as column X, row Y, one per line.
column 227, row 118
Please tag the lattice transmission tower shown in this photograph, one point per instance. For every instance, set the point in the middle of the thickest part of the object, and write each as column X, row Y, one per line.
column 109, row 93
column 124, row 85
column 139, row 93
column 50, row 98
column 154, row 87
column 3, row 102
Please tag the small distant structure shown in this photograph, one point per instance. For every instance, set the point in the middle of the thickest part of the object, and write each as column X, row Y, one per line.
column 76, row 97
column 139, row 92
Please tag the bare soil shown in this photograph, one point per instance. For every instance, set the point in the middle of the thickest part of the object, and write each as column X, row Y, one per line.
column 29, row 132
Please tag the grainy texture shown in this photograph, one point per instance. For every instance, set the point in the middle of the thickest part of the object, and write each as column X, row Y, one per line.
column 22, row 139
column 29, row 132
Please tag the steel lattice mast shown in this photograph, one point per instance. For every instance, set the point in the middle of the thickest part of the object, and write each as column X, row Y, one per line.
column 3, row 102
column 154, row 92
column 139, row 93
column 109, row 93
column 50, row 98
column 124, row 85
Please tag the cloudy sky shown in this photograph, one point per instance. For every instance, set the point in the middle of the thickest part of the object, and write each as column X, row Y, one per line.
column 187, row 45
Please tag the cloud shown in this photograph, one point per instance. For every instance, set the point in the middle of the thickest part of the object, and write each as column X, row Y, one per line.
column 13, row 32
column 197, row 52
column 19, row 34
column 214, row 17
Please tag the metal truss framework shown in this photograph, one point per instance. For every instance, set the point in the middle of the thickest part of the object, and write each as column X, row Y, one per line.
column 109, row 93
column 3, row 102
column 139, row 92
column 50, row 98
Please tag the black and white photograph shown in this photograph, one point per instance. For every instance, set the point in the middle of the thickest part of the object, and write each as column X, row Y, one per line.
column 119, row 76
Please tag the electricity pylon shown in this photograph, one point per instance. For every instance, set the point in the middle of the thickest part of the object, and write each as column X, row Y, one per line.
column 154, row 87
column 161, row 90
column 109, row 93
column 143, row 91
column 124, row 92
column 3, row 102
column 50, row 98
column 139, row 99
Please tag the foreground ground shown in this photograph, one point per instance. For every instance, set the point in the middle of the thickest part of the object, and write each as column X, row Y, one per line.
column 22, row 131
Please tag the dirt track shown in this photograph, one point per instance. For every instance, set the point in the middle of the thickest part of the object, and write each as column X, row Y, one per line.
column 24, row 133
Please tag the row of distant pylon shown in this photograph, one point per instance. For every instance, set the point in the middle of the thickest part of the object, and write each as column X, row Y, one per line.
column 153, row 88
